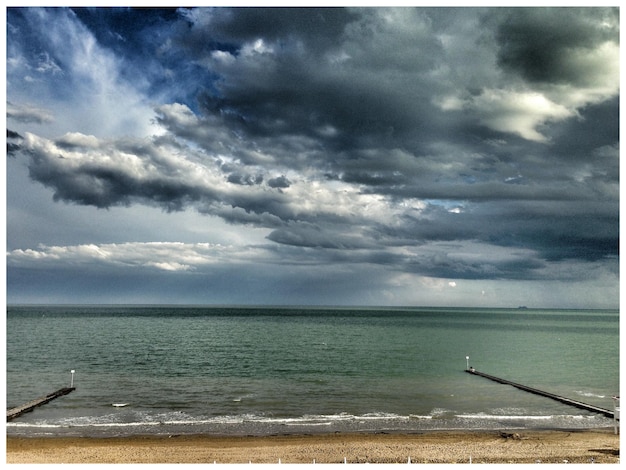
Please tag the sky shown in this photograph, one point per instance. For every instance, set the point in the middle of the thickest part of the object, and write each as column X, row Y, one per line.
column 310, row 156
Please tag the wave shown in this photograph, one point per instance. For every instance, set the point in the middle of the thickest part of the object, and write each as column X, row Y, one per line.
column 113, row 420
column 589, row 394
column 501, row 417
column 149, row 420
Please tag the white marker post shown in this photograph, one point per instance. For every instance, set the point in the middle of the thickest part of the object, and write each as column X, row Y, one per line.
column 467, row 362
column 72, row 379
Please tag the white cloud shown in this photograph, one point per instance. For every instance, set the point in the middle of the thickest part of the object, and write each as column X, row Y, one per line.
column 517, row 112
column 162, row 172
column 165, row 256
column 83, row 84
column 28, row 113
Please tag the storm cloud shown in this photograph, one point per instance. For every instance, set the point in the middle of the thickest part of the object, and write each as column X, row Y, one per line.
column 453, row 144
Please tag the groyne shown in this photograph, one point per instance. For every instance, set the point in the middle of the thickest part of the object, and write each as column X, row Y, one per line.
column 567, row 401
column 26, row 407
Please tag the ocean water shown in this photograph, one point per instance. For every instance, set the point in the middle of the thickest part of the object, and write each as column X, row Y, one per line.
column 281, row 370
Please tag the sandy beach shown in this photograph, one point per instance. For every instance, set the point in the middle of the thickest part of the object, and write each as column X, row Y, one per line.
column 598, row 445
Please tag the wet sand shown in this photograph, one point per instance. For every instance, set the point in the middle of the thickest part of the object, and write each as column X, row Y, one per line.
column 598, row 445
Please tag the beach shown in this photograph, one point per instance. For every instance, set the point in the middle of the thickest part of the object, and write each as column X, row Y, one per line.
column 259, row 384
column 516, row 446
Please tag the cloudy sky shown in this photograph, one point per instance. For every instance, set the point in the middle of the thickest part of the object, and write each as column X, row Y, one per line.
column 411, row 156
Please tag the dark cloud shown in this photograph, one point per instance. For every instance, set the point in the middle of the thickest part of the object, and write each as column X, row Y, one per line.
column 245, row 179
column 228, row 28
column 13, row 142
column 368, row 137
column 98, row 184
column 546, row 44
column 364, row 84
column 279, row 182
column 306, row 234
column 589, row 137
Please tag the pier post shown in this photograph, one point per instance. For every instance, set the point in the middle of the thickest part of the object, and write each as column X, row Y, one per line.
column 615, row 413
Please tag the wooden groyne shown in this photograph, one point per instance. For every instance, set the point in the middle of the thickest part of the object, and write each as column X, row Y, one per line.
column 567, row 401
column 26, row 407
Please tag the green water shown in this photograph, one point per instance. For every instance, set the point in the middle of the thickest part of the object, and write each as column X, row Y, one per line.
column 249, row 369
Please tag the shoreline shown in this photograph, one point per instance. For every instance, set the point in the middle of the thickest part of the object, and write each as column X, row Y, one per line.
column 515, row 446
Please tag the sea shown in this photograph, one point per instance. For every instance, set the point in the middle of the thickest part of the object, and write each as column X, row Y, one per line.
column 235, row 371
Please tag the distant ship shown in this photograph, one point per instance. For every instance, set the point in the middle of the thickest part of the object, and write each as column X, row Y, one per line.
column 522, row 307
